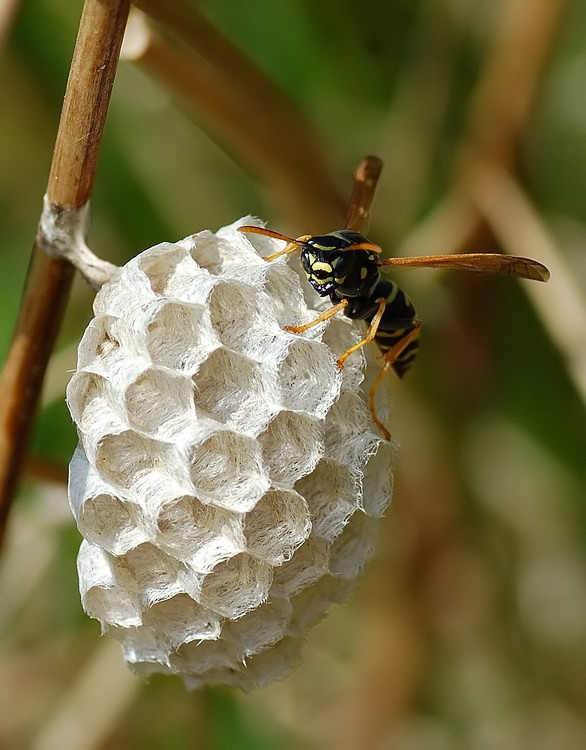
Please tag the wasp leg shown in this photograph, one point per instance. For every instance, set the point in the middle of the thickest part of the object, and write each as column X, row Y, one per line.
column 291, row 247
column 324, row 316
column 391, row 356
column 370, row 333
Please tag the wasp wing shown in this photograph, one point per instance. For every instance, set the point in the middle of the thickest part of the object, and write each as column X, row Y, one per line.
column 490, row 263
column 365, row 181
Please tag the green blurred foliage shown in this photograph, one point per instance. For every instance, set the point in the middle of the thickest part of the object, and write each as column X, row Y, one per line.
column 491, row 424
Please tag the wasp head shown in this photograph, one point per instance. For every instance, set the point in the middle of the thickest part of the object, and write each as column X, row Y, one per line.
column 332, row 268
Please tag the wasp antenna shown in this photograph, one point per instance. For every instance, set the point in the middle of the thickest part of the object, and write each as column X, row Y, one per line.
column 251, row 229
column 364, row 246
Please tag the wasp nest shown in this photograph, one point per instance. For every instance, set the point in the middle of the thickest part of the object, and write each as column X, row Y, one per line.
column 228, row 478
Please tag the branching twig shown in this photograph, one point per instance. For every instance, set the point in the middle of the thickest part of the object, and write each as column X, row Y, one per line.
column 68, row 192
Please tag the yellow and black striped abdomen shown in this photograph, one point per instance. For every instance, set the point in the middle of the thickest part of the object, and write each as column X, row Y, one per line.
column 387, row 339
column 398, row 320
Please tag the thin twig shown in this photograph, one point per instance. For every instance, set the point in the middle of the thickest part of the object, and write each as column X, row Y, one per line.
column 239, row 105
column 69, row 188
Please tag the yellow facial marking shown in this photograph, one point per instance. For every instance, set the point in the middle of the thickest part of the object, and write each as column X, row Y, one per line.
column 320, row 280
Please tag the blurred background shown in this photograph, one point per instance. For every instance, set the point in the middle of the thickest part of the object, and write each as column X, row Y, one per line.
column 469, row 629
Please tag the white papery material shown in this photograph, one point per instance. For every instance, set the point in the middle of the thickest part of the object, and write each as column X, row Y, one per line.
column 228, row 478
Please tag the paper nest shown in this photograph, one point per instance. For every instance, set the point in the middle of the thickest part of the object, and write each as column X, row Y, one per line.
column 228, row 479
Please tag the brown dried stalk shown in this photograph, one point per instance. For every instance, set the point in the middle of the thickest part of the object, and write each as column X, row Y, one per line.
column 497, row 119
column 239, row 105
column 69, row 189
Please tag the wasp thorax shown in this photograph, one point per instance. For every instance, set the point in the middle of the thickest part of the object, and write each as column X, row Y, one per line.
column 229, row 478
column 331, row 264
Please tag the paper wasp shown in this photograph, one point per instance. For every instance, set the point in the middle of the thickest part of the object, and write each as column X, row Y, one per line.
column 345, row 266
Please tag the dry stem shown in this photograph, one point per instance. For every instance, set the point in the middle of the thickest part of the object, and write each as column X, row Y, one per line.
column 69, row 189
column 241, row 107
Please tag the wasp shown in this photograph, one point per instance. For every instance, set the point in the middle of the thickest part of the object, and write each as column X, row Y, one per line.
column 346, row 267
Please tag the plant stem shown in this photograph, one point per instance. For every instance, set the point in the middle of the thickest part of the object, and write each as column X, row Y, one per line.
column 69, row 189
column 240, row 106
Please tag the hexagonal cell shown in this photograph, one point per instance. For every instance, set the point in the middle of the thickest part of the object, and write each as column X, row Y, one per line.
column 163, row 261
column 101, row 342
column 123, row 457
column 245, row 252
column 141, row 645
column 108, row 591
column 161, row 402
column 205, row 250
column 235, row 391
column 311, row 605
column 348, row 418
column 111, row 522
column 308, row 377
column 269, row 665
column 127, row 296
column 377, row 482
column 245, row 246
column 354, row 547
column 181, row 620
column 292, row 444
column 227, row 468
column 236, row 586
column 332, row 495
column 308, row 564
column 200, row 658
column 157, row 575
column 340, row 335
column 242, row 319
column 276, row 526
column 353, row 451
column 200, row 535
column 260, row 628
column 107, row 520
column 282, row 286
column 87, row 399
column 179, row 337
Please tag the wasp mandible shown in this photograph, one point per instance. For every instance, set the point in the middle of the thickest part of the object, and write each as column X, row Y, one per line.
column 345, row 266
